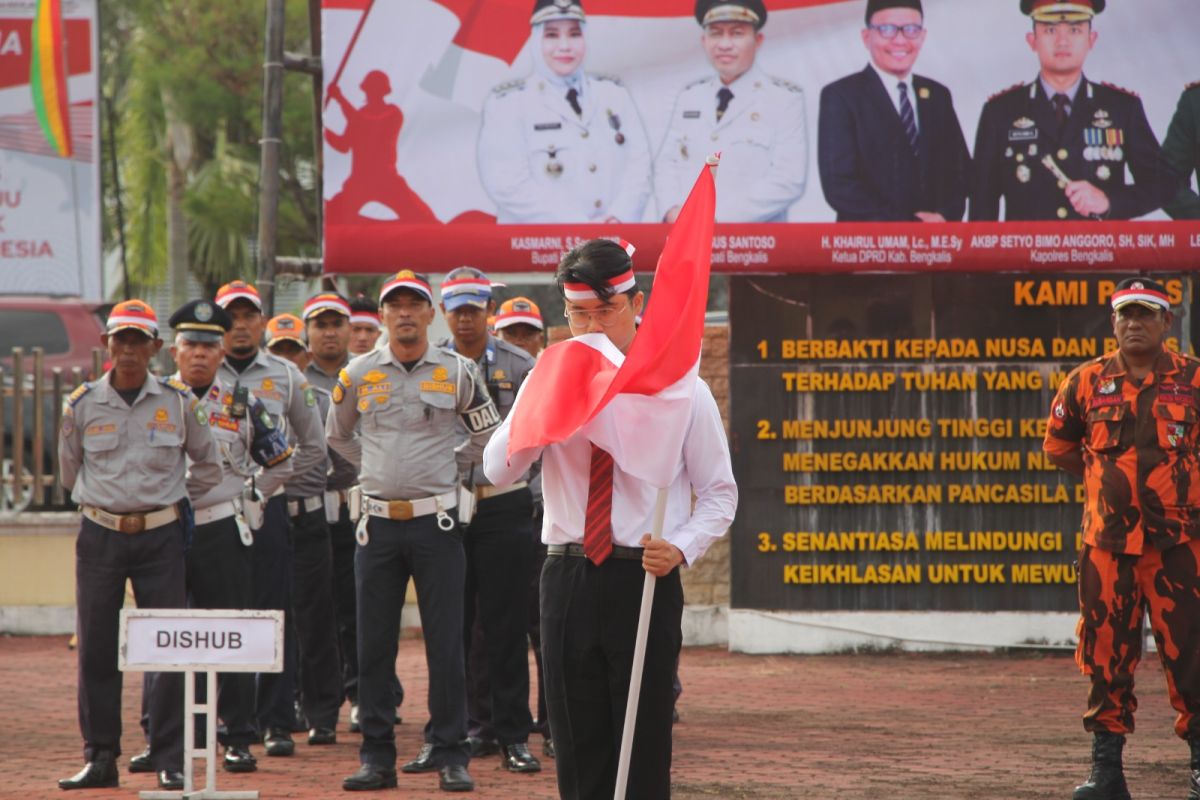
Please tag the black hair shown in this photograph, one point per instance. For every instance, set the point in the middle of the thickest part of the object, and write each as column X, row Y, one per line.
column 360, row 302
column 594, row 264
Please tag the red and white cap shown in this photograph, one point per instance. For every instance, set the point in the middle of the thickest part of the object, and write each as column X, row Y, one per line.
column 406, row 279
column 133, row 315
column 619, row 283
column 1145, row 292
column 238, row 290
column 364, row 318
column 519, row 310
column 326, row 301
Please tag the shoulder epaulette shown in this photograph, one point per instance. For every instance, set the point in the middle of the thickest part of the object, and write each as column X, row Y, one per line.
column 508, row 86
column 786, row 84
column 697, row 82
column 609, row 78
column 512, row 349
column 1192, row 85
column 1120, row 89
column 1009, row 90
column 79, row 392
column 177, row 385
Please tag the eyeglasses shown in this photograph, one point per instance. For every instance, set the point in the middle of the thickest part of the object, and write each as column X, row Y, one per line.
column 889, row 31
column 605, row 316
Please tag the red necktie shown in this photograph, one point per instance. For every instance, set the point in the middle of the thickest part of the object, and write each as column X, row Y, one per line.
column 597, row 525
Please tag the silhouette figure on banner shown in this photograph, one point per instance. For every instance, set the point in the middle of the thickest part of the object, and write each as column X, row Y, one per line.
column 370, row 137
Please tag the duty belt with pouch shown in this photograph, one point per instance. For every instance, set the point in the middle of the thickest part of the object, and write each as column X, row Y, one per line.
column 333, row 504
column 488, row 492
column 133, row 522
column 305, row 505
column 253, row 508
column 466, row 499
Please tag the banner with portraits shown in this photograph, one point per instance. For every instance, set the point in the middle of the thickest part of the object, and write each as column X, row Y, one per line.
column 455, row 131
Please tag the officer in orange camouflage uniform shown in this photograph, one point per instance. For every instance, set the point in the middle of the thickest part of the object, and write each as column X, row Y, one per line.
column 1126, row 422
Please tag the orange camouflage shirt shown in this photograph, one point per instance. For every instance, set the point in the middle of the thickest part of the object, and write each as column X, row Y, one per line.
column 1139, row 450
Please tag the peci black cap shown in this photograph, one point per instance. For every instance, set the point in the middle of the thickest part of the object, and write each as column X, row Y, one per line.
column 550, row 10
column 200, row 321
column 875, row 6
column 750, row 11
column 1062, row 10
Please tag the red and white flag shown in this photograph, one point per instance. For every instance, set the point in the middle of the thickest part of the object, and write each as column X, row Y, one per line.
column 636, row 406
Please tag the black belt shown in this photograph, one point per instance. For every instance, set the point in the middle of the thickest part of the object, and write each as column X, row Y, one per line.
column 627, row 553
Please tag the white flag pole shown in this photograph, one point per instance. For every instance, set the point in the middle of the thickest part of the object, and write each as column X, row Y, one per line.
column 639, row 658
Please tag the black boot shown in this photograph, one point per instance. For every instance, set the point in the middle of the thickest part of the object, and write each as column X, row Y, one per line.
column 1107, row 781
column 1194, row 782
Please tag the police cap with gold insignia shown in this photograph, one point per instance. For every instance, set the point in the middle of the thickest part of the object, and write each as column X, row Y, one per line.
column 1062, row 10
column 549, row 10
column 750, row 11
column 200, row 321
column 875, row 6
column 1142, row 291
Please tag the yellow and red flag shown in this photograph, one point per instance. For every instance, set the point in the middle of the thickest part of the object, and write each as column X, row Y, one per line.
column 47, row 76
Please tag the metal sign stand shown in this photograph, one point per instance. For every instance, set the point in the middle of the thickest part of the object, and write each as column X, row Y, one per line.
column 178, row 640
column 191, row 710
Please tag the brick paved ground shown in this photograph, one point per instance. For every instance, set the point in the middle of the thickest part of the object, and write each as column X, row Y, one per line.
column 888, row 726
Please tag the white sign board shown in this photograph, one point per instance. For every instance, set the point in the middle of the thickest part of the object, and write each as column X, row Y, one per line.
column 180, row 640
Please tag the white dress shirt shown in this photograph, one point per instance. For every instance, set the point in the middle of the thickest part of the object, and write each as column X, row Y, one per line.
column 891, row 84
column 705, row 470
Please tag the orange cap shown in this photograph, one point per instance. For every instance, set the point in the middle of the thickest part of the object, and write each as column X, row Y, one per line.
column 134, row 315
column 519, row 310
column 238, row 290
column 285, row 328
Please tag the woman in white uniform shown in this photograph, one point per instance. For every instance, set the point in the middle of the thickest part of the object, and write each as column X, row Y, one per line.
column 563, row 145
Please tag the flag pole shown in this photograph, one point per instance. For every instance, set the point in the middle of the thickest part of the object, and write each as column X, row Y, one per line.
column 639, row 658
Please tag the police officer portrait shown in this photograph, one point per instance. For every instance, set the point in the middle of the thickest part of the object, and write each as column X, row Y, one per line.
column 563, row 144
column 1064, row 146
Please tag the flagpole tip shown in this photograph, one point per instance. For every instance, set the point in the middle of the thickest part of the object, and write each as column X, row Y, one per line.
column 714, row 159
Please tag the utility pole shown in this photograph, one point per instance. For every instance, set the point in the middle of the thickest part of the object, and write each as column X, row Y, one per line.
column 272, row 131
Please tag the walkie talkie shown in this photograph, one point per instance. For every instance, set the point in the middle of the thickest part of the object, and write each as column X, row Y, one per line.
column 241, row 398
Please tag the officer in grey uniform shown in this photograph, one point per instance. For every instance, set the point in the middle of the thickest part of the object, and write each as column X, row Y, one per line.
column 255, row 460
column 563, row 145
column 755, row 120
column 329, row 328
column 410, row 398
column 314, row 617
column 293, row 407
column 123, row 452
column 498, row 540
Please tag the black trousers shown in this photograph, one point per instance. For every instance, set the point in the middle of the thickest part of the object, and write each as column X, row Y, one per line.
column 315, row 617
column 271, row 556
column 499, row 549
column 434, row 559
column 104, row 560
column 542, row 723
column 589, row 623
column 220, row 575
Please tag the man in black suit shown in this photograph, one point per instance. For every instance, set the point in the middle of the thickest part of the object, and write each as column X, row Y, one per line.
column 1061, row 146
column 889, row 144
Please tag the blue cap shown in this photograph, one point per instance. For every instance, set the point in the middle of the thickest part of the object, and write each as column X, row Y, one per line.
column 466, row 286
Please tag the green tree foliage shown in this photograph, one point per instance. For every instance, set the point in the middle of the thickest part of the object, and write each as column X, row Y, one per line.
column 185, row 80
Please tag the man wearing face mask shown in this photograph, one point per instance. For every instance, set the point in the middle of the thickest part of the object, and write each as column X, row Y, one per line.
column 890, row 147
column 754, row 119
column 563, row 145
column 293, row 407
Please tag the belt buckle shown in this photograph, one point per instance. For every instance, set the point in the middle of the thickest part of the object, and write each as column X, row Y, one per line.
column 132, row 523
column 400, row 509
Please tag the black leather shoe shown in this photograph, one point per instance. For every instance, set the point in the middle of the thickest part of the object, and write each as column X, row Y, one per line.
column 548, row 747
column 170, row 779
column 370, row 778
column 278, row 742
column 1194, row 778
column 455, row 779
column 141, row 762
column 517, row 758
column 99, row 773
column 423, row 762
column 354, row 726
column 482, row 747
column 322, row 736
column 239, row 759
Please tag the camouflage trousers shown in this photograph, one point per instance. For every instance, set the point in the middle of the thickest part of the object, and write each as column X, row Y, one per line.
column 1115, row 591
